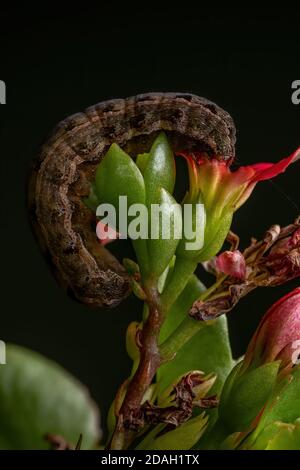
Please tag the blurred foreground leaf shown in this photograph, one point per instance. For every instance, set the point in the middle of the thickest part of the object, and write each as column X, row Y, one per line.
column 37, row 397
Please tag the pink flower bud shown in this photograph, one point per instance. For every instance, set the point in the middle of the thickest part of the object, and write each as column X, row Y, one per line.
column 232, row 263
column 278, row 334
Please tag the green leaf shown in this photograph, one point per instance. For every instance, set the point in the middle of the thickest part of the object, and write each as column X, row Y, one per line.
column 208, row 350
column 141, row 161
column 248, row 394
column 37, row 397
column 230, row 443
column 181, row 438
column 229, row 384
column 216, row 235
column 179, row 310
column 218, row 437
column 165, row 275
column 160, row 169
column 164, row 235
column 131, row 344
column 195, row 221
column 117, row 175
column 131, row 267
column 159, row 176
column 278, row 436
column 284, row 404
column 138, row 290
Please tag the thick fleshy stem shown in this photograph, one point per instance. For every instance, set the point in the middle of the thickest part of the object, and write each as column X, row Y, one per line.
column 186, row 330
column 183, row 333
column 150, row 355
column 183, row 269
column 150, row 360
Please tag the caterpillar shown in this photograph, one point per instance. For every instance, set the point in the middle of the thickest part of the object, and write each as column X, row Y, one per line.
column 66, row 164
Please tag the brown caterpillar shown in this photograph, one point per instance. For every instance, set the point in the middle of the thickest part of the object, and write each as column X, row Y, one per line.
column 66, row 164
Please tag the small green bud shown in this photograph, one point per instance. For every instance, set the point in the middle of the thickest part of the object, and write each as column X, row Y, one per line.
column 131, row 344
column 131, row 267
column 138, row 290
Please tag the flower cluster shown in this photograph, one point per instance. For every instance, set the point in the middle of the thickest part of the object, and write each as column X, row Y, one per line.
column 271, row 261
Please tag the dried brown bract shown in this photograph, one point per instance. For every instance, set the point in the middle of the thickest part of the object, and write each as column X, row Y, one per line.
column 271, row 261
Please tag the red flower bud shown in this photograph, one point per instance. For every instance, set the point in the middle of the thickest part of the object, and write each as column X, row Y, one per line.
column 278, row 334
column 271, row 261
column 232, row 263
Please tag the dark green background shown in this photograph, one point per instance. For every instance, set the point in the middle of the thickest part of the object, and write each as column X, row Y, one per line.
column 57, row 62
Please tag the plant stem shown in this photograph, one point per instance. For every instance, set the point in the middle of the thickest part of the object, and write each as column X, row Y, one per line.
column 148, row 439
column 150, row 360
column 183, row 333
column 216, row 435
column 182, row 271
column 151, row 355
column 186, row 330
